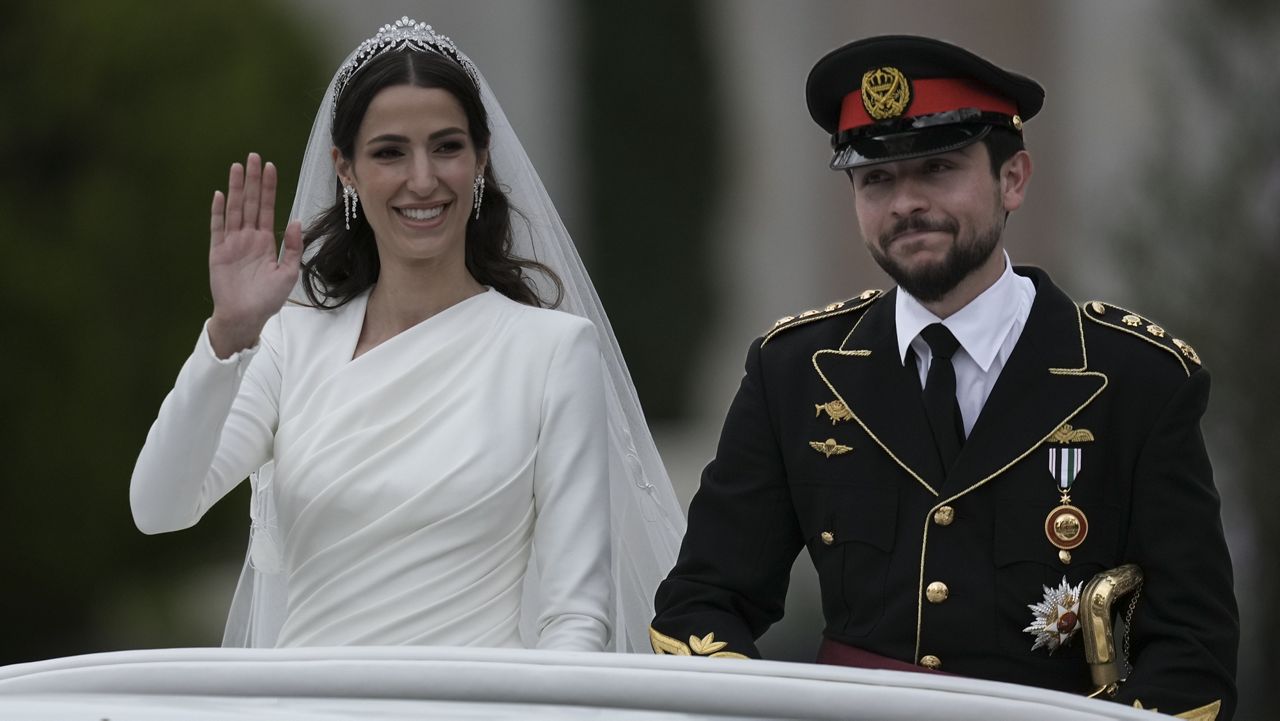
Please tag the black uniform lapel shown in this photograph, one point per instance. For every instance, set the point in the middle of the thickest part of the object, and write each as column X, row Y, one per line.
column 867, row 374
column 1043, row 385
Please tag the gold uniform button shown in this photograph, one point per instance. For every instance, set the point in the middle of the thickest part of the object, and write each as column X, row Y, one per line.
column 944, row 516
column 828, row 537
column 931, row 662
column 936, row 592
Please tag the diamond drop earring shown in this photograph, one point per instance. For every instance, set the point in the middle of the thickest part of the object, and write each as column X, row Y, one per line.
column 477, row 193
column 350, row 203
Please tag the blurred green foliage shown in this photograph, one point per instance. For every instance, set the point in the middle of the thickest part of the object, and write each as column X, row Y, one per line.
column 119, row 119
column 652, row 155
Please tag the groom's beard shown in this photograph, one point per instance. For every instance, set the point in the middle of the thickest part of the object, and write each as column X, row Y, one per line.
column 932, row 282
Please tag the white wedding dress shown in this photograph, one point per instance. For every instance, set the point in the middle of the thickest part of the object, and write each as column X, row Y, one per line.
column 411, row 483
column 400, row 511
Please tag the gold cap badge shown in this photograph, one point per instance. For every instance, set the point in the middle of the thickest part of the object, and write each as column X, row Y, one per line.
column 886, row 92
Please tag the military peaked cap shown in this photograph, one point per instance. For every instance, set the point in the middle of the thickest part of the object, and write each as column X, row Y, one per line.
column 894, row 97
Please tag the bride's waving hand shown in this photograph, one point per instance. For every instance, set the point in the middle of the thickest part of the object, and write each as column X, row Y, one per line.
column 247, row 278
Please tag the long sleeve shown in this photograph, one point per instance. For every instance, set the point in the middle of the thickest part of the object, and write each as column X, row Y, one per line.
column 571, row 494
column 731, row 577
column 214, row 428
column 1185, row 626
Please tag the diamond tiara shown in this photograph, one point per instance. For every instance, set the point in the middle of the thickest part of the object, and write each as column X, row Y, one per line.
column 404, row 33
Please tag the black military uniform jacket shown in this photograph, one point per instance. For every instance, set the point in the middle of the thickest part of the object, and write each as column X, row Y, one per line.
column 827, row 446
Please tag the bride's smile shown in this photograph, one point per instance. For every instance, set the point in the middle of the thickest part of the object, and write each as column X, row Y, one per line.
column 414, row 168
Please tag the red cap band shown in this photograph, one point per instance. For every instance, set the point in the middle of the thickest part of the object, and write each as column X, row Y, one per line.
column 929, row 96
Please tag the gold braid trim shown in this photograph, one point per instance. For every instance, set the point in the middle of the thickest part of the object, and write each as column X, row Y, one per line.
column 1207, row 712
column 665, row 645
column 705, row 646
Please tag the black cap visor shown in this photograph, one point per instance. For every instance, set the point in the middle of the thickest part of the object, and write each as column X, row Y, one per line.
column 904, row 140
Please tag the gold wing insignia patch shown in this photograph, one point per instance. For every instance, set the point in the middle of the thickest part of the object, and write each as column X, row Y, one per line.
column 829, row 447
column 1141, row 327
column 1066, row 434
column 836, row 410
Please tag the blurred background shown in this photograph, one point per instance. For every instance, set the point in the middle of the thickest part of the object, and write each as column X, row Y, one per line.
column 674, row 138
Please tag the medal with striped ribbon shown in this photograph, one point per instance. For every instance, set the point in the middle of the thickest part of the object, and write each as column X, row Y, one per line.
column 1066, row 526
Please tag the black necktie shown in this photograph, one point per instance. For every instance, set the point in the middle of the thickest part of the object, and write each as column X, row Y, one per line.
column 940, row 393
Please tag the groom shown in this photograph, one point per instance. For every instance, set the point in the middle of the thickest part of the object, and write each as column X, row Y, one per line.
column 961, row 454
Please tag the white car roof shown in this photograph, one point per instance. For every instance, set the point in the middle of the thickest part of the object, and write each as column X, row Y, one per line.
column 319, row 684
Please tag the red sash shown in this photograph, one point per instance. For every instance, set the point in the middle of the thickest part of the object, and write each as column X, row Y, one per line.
column 841, row 654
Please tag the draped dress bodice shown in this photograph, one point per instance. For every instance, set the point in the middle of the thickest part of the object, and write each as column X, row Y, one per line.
column 411, row 483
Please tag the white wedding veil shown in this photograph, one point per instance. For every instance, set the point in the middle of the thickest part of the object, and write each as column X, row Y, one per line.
column 647, row 522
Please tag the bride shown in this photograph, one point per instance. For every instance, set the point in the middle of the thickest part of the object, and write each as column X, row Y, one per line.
column 436, row 458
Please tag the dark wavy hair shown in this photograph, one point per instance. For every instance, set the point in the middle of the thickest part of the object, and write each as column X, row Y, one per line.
column 346, row 263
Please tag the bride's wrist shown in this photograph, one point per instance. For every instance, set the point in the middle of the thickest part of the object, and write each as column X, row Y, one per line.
column 230, row 336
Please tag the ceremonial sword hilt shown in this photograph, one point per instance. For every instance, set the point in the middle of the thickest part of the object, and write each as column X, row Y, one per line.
column 1100, row 594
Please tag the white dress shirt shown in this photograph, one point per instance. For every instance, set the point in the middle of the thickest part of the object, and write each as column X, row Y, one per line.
column 987, row 328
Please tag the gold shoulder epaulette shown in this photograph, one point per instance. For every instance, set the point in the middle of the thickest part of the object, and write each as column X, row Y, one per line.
column 1114, row 316
column 857, row 302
